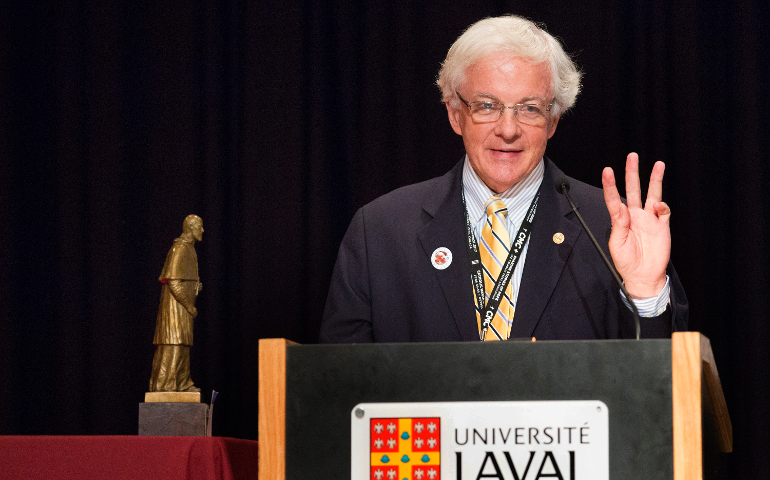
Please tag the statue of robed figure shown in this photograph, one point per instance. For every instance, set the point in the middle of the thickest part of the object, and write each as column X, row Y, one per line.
column 174, row 327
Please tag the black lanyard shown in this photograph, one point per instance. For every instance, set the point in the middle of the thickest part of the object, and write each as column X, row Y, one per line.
column 477, row 269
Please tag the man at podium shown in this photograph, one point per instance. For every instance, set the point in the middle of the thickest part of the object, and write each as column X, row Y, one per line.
column 492, row 250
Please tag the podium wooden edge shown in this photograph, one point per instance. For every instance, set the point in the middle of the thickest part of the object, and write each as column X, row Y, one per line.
column 692, row 365
column 723, row 425
column 272, row 408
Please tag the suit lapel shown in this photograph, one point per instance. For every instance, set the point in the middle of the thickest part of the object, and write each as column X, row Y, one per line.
column 446, row 229
column 545, row 258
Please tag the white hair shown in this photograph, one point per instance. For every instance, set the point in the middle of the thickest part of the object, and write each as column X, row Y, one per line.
column 520, row 37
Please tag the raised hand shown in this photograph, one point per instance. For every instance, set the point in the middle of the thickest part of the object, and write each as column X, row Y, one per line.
column 640, row 242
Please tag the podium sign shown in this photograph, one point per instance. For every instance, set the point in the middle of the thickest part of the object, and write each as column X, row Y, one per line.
column 469, row 440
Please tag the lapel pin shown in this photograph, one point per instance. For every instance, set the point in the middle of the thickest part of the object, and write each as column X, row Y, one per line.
column 441, row 258
column 558, row 237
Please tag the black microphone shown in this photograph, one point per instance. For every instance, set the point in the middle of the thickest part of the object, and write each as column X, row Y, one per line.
column 562, row 186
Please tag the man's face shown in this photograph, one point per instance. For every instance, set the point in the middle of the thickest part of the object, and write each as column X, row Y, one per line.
column 197, row 231
column 505, row 151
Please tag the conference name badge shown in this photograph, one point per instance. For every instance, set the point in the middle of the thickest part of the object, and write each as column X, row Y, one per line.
column 564, row 440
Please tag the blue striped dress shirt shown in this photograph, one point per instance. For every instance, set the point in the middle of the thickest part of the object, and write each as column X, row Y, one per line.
column 517, row 199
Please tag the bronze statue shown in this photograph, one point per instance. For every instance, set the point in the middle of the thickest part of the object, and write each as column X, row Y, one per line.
column 174, row 327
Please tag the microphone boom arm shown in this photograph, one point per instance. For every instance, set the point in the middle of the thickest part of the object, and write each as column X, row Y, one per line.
column 563, row 187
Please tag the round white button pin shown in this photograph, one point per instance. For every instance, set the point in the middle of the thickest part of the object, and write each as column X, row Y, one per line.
column 441, row 258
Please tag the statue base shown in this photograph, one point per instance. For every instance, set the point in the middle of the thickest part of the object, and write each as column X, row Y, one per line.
column 181, row 416
column 164, row 397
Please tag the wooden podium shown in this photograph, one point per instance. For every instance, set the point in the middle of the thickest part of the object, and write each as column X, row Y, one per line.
column 668, row 415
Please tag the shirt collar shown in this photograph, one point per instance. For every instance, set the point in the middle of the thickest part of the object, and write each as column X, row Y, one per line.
column 477, row 193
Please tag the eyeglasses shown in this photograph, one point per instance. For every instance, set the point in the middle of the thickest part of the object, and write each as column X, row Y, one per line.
column 530, row 113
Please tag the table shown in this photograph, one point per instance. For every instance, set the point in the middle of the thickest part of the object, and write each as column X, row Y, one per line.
column 127, row 458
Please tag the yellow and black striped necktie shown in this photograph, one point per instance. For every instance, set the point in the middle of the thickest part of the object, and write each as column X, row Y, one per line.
column 494, row 247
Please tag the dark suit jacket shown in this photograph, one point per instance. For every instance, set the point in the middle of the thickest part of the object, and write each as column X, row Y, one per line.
column 385, row 288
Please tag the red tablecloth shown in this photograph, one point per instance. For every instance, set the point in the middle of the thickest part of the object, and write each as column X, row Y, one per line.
column 127, row 457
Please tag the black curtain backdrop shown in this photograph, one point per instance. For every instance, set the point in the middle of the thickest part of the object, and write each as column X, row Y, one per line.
column 274, row 121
